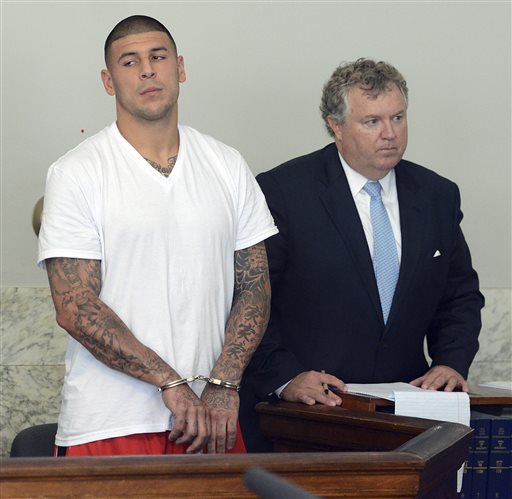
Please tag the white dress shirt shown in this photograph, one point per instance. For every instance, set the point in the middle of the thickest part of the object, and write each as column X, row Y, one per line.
column 389, row 195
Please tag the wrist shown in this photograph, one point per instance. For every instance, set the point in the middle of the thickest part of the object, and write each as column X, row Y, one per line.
column 163, row 376
column 199, row 377
column 223, row 383
column 228, row 369
column 175, row 383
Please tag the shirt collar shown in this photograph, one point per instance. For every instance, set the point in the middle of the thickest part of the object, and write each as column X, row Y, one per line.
column 356, row 181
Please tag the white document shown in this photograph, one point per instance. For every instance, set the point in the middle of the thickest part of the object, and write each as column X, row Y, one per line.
column 381, row 390
column 413, row 401
column 429, row 404
column 452, row 407
column 501, row 385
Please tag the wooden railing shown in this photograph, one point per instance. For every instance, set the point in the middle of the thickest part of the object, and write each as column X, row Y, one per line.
column 348, row 454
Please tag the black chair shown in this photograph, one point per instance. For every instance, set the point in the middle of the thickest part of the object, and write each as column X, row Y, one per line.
column 36, row 441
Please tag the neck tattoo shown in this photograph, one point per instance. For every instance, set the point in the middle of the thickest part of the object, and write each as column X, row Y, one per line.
column 164, row 170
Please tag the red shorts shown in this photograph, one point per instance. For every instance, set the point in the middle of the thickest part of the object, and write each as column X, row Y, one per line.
column 138, row 444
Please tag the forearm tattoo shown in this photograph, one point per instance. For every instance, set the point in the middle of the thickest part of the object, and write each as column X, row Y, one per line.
column 75, row 285
column 249, row 313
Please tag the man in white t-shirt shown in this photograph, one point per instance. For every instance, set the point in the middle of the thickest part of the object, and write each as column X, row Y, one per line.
column 152, row 237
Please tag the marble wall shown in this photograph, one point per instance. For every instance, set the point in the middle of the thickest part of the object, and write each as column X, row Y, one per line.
column 32, row 351
column 31, row 361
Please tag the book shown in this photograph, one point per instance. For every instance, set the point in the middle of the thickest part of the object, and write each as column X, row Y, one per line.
column 499, row 480
column 481, row 424
column 467, row 475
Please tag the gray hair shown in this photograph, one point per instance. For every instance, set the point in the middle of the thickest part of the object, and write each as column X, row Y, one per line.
column 373, row 77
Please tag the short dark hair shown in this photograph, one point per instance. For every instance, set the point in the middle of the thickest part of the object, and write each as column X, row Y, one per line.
column 373, row 77
column 131, row 26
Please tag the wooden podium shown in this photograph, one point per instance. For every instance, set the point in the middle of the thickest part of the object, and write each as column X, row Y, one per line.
column 383, row 455
column 330, row 452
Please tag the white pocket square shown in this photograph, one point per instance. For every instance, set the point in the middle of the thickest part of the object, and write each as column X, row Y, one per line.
column 437, row 253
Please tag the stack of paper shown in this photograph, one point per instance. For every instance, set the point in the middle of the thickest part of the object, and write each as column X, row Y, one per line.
column 416, row 402
column 501, row 385
column 381, row 390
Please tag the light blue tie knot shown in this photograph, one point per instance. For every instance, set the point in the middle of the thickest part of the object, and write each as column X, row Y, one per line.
column 373, row 188
column 385, row 256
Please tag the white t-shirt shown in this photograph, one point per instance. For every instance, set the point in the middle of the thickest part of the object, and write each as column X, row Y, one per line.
column 166, row 246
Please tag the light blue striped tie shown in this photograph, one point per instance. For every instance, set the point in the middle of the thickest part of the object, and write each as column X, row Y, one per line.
column 385, row 256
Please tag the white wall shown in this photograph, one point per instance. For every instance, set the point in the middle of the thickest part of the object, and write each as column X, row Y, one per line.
column 255, row 73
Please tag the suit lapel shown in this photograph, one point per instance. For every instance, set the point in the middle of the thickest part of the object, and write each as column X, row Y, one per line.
column 334, row 192
column 412, row 213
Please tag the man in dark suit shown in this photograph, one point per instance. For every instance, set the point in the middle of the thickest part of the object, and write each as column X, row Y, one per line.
column 340, row 302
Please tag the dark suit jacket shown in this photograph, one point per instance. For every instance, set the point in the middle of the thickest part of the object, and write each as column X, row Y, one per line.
column 326, row 311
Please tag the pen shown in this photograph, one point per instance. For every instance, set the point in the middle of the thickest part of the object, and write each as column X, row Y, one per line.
column 324, row 385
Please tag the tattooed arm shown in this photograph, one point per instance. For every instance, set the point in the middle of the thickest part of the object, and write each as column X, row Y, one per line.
column 75, row 285
column 245, row 327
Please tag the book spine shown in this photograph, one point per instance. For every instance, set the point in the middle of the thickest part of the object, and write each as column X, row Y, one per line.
column 481, row 438
column 467, row 477
column 499, row 483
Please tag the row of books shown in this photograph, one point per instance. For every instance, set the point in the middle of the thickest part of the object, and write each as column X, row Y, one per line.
column 488, row 470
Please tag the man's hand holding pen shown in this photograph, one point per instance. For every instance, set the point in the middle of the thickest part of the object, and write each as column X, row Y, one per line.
column 314, row 387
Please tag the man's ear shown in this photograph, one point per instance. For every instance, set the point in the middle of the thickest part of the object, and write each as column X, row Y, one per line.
column 182, row 76
column 106, row 78
column 335, row 127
